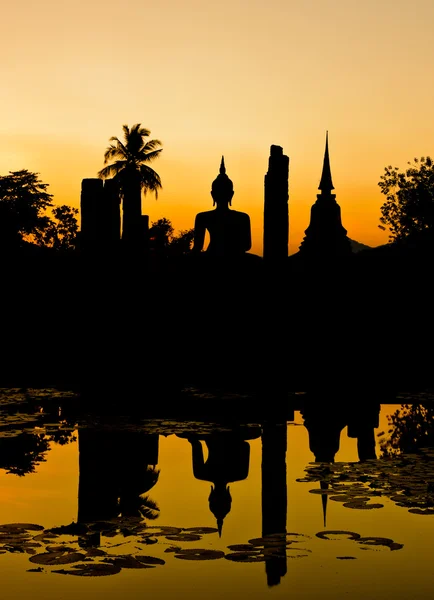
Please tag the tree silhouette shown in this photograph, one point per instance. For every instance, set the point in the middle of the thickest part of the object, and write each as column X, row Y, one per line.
column 409, row 209
column 24, row 202
column 61, row 232
column 126, row 162
column 163, row 241
column 410, row 427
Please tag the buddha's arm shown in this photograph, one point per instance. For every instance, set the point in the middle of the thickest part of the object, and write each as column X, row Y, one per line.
column 199, row 467
column 199, row 234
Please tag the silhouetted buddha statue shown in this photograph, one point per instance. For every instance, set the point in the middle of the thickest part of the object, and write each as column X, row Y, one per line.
column 229, row 230
column 227, row 462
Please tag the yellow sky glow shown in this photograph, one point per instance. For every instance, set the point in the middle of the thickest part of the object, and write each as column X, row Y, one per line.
column 229, row 78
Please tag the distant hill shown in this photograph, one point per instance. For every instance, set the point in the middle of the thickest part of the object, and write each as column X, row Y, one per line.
column 358, row 247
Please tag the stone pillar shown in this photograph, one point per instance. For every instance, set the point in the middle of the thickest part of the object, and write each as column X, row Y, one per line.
column 276, row 195
column 112, row 212
column 90, row 204
column 100, row 214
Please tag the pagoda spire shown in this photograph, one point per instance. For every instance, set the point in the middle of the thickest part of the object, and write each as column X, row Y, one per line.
column 324, row 486
column 326, row 183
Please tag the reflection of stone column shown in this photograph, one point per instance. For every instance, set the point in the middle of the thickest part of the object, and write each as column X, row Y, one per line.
column 114, row 472
column 98, row 487
column 276, row 220
column 274, row 496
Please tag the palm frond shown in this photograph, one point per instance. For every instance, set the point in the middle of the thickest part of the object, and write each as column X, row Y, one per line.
column 113, row 151
column 126, row 131
column 148, row 156
column 137, row 129
column 150, row 180
column 112, row 170
column 152, row 145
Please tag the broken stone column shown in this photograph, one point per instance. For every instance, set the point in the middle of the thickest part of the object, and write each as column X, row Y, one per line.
column 276, row 216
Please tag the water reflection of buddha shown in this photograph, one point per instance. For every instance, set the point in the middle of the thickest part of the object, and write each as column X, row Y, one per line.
column 227, row 462
column 229, row 230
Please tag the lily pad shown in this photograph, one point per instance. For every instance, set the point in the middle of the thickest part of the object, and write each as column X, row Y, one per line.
column 360, row 505
column 324, row 535
column 127, row 562
column 164, row 530
column 24, row 526
column 56, row 558
column 149, row 560
column 90, row 570
column 184, row 537
column 242, row 548
column 200, row 554
column 246, row 557
column 201, row 530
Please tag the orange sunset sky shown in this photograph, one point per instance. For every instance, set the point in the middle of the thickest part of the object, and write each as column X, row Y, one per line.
column 229, row 77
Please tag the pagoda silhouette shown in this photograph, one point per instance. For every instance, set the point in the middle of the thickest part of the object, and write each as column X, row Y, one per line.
column 325, row 237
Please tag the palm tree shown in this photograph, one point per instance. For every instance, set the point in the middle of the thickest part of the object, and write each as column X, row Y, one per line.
column 126, row 164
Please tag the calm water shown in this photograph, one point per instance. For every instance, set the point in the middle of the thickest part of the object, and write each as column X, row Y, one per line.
column 188, row 480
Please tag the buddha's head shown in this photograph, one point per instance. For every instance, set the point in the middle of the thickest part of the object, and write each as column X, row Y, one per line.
column 220, row 501
column 222, row 188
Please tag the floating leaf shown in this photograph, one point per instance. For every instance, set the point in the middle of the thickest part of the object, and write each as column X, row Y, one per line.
column 324, row 535
column 346, row 557
column 247, row 557
column 201, row 530
column 93, row 552
column 396, row 546
column 184, row 537
column 127, row 562
column 56, row 558
column 242, row 548
column 421, row 511
column 90, row 570
column 173, row 549
column 199, row 554
column 375, row 541
column 164, row 531
column 362, row 505
column 71, row 529
column 149, row 560
column 24, row 526
column 45, row 537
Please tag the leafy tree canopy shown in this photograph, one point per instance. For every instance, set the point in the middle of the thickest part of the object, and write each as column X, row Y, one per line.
column 408, row 212
column 24, row 217
column 164, row 242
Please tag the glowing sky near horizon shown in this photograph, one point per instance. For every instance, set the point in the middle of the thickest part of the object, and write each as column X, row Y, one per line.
column 232, row 78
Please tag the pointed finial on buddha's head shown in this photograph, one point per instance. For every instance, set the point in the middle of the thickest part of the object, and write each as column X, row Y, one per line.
column 222, row 188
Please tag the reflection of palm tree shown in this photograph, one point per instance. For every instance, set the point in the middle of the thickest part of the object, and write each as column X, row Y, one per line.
column 149, row 508
column 128, row 167
column 133, row 500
